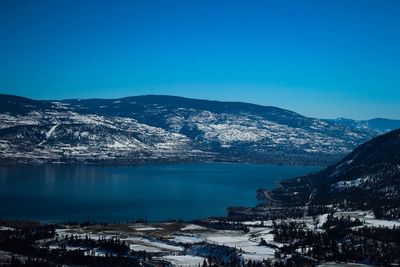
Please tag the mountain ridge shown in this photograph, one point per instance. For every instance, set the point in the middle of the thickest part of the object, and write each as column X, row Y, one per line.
column 396, row 122
column 162, row 128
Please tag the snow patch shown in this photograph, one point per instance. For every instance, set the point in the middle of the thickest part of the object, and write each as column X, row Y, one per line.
column 52, row 129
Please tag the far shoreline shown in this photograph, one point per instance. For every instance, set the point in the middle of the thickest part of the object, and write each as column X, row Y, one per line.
column 156, row 163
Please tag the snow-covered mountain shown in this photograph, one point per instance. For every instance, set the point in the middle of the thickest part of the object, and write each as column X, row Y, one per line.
column 367, row 178
column 166, row 128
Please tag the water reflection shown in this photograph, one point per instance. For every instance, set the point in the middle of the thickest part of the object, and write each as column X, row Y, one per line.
column 119, row 193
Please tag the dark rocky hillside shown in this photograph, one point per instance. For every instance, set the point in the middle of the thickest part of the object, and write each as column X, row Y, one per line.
column 368, row 178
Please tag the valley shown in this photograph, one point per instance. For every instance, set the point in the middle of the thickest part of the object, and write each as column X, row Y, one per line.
column 346, row 214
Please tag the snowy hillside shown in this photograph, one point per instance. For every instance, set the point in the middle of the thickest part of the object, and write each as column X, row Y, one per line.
column 368, row 178
column 166, row 128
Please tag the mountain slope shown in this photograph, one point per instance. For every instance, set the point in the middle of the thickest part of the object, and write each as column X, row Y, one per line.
column 166, row 128
column 378, row 124
column 369, row 177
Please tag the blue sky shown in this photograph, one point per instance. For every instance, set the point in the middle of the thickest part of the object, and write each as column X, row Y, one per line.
column 328, row 59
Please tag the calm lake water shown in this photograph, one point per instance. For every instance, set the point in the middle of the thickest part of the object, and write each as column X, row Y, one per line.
column 121, row 193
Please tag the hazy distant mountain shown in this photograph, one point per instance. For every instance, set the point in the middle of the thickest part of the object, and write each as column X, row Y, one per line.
column 166, row 128
column 378, row 124
column 369, row 177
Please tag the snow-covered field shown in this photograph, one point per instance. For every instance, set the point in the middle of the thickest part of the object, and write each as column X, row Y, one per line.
column 140, row 243
column 170, row 245
column 184, row 260
column 189, row 244
column 370, row 219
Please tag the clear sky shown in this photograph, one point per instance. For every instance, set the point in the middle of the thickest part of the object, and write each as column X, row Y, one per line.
column 322, row 58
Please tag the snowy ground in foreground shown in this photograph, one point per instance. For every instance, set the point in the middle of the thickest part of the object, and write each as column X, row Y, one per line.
column 169, row 240
column 184, row 260
column 157, row 238
column 369, row 218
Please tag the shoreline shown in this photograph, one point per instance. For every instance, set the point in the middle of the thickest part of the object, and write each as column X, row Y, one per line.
column 133, row 164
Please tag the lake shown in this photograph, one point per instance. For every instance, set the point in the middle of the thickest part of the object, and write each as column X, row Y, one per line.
column 122, row 193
